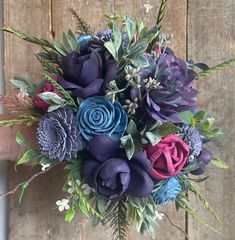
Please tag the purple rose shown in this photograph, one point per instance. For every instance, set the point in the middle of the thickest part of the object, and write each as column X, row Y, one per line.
column 87, row 73
column 110, row 172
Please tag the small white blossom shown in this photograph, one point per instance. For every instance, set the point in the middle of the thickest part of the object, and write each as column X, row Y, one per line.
column 63, row 205
column 70, row 189
column 45, row 166
column 148, row 7
column 23, row 93
column 159, row 216
column 78, row 182
column 86, row 189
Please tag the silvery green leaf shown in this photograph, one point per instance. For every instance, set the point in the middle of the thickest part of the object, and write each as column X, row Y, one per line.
column 52, row 97
column 111, row 48
column 20, row 83
column 128, row 144
column 130, row 28
column 131, row 128
column 167, row 128
column 200, row 115
column 153, row 138
column 140, row 61
column 54, row 107
column 117, row 36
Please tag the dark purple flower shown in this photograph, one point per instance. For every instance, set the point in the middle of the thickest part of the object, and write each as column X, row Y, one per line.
column 203, row 159
column 110, row 172
column 57, row 134
column 87, row 73
column 175, row 93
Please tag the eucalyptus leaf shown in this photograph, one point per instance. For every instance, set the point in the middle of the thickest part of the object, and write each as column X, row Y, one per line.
column 22, row 84
column 153, row 138
column 131, row 128
column 167, row 128
column 130, row 28
column 52, row 97
column 128, row 144
column 140, row 61
column 111, row 48
column 200, row 115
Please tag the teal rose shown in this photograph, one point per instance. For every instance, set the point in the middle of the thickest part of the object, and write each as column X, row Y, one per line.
column 98, row 116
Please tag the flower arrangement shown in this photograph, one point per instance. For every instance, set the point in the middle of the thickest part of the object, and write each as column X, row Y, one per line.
column 118, row 109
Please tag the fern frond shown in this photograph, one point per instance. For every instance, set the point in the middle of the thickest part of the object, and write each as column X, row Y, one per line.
column 116, row 218
column 83, row 28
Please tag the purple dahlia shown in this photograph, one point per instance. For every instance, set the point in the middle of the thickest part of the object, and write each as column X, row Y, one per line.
column 175, row 93
column 58, row 136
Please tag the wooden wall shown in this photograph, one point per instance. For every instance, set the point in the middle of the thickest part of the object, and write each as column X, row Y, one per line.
column 203, row 30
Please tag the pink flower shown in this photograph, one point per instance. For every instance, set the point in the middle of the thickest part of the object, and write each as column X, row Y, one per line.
column 168, row 157
column 39, row 103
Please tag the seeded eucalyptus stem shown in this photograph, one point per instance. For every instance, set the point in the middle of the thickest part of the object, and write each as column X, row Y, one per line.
column 216, row 68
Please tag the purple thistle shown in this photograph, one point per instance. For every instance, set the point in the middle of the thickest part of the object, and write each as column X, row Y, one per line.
column 58, row 136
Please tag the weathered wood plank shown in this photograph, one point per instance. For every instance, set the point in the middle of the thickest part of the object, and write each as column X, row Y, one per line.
column 211, row 35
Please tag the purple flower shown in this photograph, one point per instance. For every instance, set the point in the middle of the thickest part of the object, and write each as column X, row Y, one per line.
column 203, row 159
column 57, row 134
column 175, row 93
column 110, row 172
column 87, row 73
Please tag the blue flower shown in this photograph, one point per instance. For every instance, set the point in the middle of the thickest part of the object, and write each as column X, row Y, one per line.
column 58, row 136
column 167, row 192
column 99, row 116
column 83, row 41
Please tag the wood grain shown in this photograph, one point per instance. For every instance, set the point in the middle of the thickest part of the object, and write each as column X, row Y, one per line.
column 211, row 38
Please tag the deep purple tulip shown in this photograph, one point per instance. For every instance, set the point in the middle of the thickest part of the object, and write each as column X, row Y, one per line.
column 110, row 172
column 87, row 73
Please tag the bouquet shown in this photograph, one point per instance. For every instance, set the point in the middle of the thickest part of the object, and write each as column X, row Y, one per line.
column 118, row 108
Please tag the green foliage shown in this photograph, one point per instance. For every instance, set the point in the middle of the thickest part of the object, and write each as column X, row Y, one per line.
column 187, row 182
column 24, row 186
column 219, row 163
column 183, row 202
column 70, row 215
column 128, row 144
column 65, row 94
column 216, row 68
column 83, row 28
column 141, row 212
column 27, row 120
column 161, row 13
column 116, row 218
column 185, row 117
column 28, row 156
column 20, row 138
column 167, row 128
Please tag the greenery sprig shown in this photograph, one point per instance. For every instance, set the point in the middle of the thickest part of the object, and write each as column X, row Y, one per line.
column 27, row 120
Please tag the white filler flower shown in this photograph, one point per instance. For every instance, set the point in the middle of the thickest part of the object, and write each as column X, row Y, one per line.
column 159, row 216
column 63, row 205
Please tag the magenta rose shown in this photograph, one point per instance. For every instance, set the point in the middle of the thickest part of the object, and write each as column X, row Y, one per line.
column 168, row 157
column 38, row 102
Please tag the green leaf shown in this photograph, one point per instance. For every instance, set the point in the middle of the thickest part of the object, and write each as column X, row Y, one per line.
column 131, row 128
column 28, row 155
column 83, row 208
column 167, row 128
column 70, row 215
column 219, row 163
column 20, row 138
column 54, row 107
column 20, row 83
column 128, row 144
column 117, row 36
column 111, row 48
column 153, row 138
column 199, row 116
column 140, row 61
column 130, row 28
column 22, row 190
column 101, row 205
column 52, row 97
column 185, row 117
